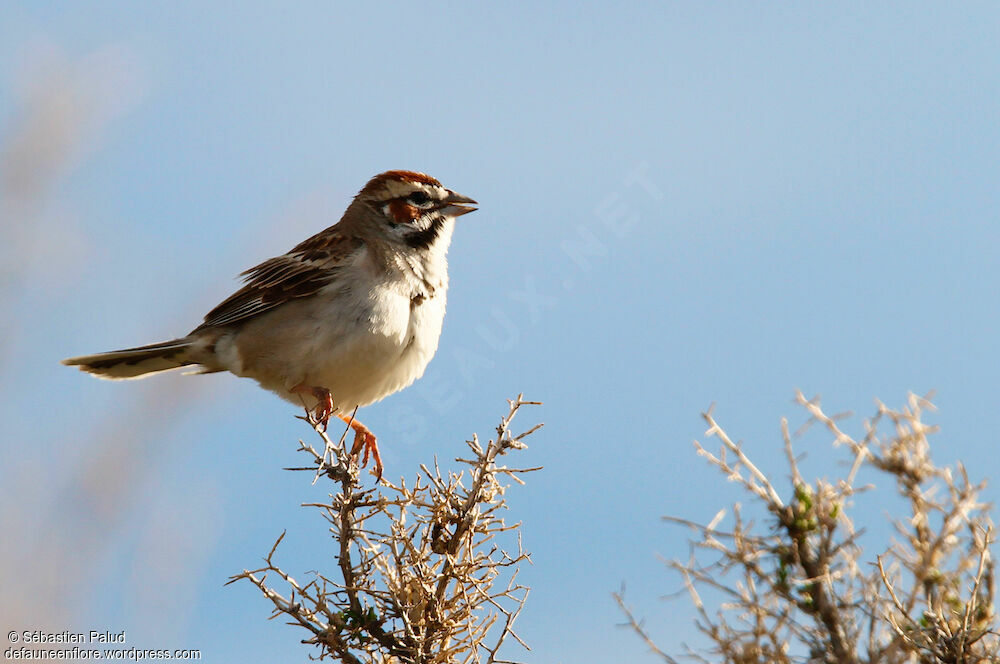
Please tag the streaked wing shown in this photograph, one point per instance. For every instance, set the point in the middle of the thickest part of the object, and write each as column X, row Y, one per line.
column 301, row 272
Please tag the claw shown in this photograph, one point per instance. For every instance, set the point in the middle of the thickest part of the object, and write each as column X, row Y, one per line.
column 365, row 440
column 324, row 409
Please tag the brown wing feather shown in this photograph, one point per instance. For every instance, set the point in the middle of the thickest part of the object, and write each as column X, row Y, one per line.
column 301, row 272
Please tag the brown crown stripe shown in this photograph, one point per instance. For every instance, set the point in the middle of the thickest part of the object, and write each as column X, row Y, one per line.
column 405, row 176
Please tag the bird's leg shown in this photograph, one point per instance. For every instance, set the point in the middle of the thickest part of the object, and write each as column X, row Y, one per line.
column 325, row 406
column 364, row 438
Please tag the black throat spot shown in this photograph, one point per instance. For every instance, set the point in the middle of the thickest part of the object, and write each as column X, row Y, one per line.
column 425, row 238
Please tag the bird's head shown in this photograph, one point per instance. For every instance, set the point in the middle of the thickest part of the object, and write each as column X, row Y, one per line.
column 412, row 208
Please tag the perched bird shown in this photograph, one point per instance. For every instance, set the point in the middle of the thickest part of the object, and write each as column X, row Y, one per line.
column 345, row 318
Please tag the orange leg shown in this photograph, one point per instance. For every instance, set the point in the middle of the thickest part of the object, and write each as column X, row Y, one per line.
column 364, row 438
column 325, row 406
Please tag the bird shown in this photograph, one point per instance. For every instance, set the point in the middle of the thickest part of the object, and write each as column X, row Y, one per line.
column 346, row 318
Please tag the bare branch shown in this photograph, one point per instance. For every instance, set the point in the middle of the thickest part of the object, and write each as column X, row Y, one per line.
column 800, row 583
column 422, row 575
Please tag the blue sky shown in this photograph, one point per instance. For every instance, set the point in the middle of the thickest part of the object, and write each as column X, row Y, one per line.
column 681, row 204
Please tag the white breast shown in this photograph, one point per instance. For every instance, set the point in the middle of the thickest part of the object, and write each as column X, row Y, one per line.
column 387, row 354
column 363, row 337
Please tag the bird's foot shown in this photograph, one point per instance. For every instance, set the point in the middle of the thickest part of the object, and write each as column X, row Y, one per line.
column 364, row 439
column 324, row 409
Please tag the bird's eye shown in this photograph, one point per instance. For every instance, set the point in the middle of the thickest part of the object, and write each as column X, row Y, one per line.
column 419, row 198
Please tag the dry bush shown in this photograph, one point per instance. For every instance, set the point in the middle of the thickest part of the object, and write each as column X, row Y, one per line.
column 422, row 574
column 796, row 585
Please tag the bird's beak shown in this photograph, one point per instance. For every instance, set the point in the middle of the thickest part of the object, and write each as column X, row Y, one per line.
column 457, row 205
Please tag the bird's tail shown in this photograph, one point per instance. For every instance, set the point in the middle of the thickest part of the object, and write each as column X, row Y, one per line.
column 136, row 362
